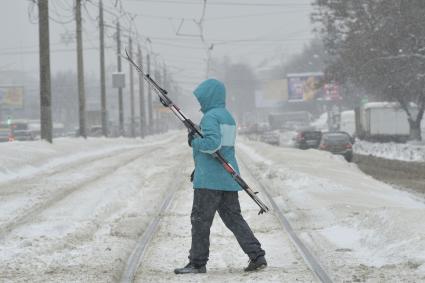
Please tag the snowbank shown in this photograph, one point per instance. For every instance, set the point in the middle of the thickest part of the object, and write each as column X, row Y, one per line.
column 321, row 123
column 397, row 151
column 83, row 204
column 356, row 225
column 26, row 159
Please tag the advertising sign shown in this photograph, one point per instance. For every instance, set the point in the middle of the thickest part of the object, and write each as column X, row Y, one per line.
column 12, row 97
column 332, row 91
column 304, row 86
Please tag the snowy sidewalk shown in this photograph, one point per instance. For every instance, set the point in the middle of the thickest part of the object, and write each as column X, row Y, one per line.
column 170, row 246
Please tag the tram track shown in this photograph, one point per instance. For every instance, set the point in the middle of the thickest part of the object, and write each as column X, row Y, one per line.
column 135, row 270
column 306, row 254
column 47, row 199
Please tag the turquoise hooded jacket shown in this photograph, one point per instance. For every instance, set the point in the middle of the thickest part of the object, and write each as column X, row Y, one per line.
column 219, row 133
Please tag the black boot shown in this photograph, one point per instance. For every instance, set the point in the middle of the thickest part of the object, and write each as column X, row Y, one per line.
column 190, row 268
column 256, row 264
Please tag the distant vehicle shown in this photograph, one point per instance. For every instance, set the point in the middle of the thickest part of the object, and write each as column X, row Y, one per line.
column 5, row 135
column 21, row 131
column 290, row 120
column 270, row 138
column 338, row 143
column 95, row 131
column 308, row 138
column 348, row 122
column 383, row 122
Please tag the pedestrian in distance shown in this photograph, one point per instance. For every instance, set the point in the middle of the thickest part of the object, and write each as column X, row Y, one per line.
column 214, row 188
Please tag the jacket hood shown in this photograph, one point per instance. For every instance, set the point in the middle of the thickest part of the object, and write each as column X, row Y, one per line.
column 211, row 94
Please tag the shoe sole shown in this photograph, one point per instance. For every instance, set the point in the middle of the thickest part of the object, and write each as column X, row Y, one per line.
column 189, row 273
column 199, row 272
column 258, row 268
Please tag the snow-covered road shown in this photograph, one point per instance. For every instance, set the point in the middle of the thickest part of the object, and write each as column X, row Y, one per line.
column 73, row 212
column 78, row 221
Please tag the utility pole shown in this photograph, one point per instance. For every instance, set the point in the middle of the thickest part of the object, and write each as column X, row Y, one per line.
column 132, row 130
column 141, row 95
column 102, row 72
column 150, row 112
column 80, row 66
column 45, row 86
column 120, row 100
column 156, row 114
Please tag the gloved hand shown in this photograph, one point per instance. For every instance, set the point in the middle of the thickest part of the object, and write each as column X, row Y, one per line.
column 190, row 137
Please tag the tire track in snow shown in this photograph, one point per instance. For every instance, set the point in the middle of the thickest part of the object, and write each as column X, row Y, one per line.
column 97, row 226
column 113, row 164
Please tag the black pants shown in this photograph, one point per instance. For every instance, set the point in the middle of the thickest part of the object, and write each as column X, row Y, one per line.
column 205, row 204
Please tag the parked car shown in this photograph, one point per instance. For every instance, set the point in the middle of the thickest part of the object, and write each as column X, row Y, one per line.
column 23, row 135
column 21, row 132
column 338, row 143
column 270, row 138
column 308, row 138
column 95, row 131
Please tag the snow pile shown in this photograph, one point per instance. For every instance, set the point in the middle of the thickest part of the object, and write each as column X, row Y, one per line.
column 82, row 205
column 357, row 225
column 287, row 138
column 397, row 151
column 25, row 159
column 321, row 123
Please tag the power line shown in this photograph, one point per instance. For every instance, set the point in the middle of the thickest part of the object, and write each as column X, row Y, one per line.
column 251, row 15
column 226, row 3
column 167, row 18
column 51, row 51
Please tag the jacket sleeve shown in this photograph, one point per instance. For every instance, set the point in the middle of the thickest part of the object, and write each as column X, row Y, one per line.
column 211, row 142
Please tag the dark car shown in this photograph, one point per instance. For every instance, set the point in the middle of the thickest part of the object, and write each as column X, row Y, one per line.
column 338, row 143
column 308, row 139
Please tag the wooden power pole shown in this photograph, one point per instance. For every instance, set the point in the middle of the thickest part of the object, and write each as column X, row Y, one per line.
column 150, row 111
column 132, row 106
column 120, row 99
column 141, row 96
column 102, row 72
column 45, row 86
column 80, row 67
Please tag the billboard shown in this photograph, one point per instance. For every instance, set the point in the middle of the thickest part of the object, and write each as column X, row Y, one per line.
column 304, row 86
column 12, row 97
column 332, row 91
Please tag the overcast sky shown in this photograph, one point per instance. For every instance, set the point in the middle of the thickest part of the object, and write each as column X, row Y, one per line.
column 261, row 33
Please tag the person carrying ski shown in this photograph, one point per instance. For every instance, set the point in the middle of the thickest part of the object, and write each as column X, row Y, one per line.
column 214, row 188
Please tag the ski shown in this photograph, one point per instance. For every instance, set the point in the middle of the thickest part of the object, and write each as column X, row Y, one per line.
column 192, row 127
